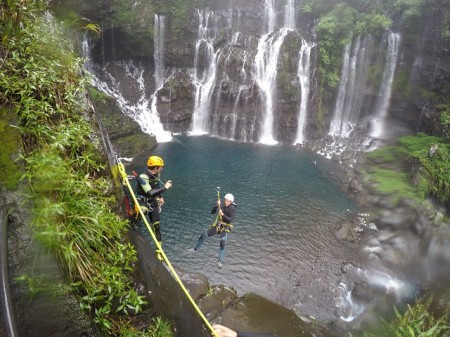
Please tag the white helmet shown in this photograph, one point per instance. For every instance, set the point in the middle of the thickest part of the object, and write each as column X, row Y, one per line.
column 229, row 196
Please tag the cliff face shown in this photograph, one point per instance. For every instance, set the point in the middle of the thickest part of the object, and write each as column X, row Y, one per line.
column 426, row 69
column 230, row 35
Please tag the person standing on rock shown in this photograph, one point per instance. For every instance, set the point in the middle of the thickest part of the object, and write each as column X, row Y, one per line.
column 149, row 190
column 221, row 226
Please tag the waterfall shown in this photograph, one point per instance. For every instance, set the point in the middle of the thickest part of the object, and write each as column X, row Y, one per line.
column 384, row 96
column 270, row 15
column 103, row 46
column 351, row 88
column 159, row 29
column 265, row 63
column 112, row 42
column 147, row 118
column 158, row 41
column 303, row 73
column 233, row 73
column 265, row 68
column 336, row 123
column 289, row 14
column 204, row 77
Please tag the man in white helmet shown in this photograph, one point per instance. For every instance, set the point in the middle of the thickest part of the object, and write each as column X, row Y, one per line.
column 221, row 226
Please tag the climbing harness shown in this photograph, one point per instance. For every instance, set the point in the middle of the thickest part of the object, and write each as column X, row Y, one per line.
column 125, row 180
column 145, row 203
column 223, row 226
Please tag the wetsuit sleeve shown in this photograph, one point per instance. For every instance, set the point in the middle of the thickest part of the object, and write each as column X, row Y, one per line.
column 156, row 191
column 147, row 188
column 214, row 209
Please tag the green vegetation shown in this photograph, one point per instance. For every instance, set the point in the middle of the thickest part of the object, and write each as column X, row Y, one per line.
column 10, row 137
column 424, row 157
column 445, row 119
column 68, row 181
column 408, row 10
column 446, row 30
column 393, row 183
column 432, row 153
column 387, row 176
column 416, row 321
column 335, row 31
column 125, row 13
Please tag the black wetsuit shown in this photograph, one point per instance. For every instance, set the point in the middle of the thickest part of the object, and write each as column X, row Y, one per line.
column 220, row 227
column 149, row 191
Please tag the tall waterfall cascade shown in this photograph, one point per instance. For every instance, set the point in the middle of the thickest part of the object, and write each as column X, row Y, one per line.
column 143, row 109
column 238, row 93
column 351, row 88
column 381, row 109
column 266, row 61
column 350, row 113
column 304, row 75
column 206, row 78
column 160, row 28
column 269, row 15
column 204, row 75
column 289, row 14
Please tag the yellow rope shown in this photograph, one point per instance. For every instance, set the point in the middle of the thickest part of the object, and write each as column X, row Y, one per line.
column 159, row 247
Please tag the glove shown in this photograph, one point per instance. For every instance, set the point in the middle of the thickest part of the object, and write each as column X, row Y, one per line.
column 168, row 184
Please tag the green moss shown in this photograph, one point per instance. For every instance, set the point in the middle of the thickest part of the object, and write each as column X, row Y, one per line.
column 402, row 86
column 393, row 182
column 10, row 137
column 387, row 154
column 427, row 158
column 97, row 95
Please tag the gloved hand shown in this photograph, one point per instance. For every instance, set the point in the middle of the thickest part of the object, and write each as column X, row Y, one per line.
column 168, row 184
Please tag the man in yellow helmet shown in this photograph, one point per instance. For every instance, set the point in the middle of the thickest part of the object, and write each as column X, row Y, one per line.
column 149, row 190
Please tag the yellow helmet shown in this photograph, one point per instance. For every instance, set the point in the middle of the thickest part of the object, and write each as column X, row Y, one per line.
column 155, row 161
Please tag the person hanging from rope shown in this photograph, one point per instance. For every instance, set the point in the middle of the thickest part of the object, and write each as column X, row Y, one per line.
column 221, row 226
column 149, row 190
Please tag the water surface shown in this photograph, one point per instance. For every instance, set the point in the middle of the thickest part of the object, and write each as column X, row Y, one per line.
column 282, row 243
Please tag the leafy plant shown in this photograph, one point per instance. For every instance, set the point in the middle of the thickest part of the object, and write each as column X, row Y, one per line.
column 34, row 284
column 445, row 120
column 416, row 321
column 70, row 190
column 9, row 165
column 161, row 328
